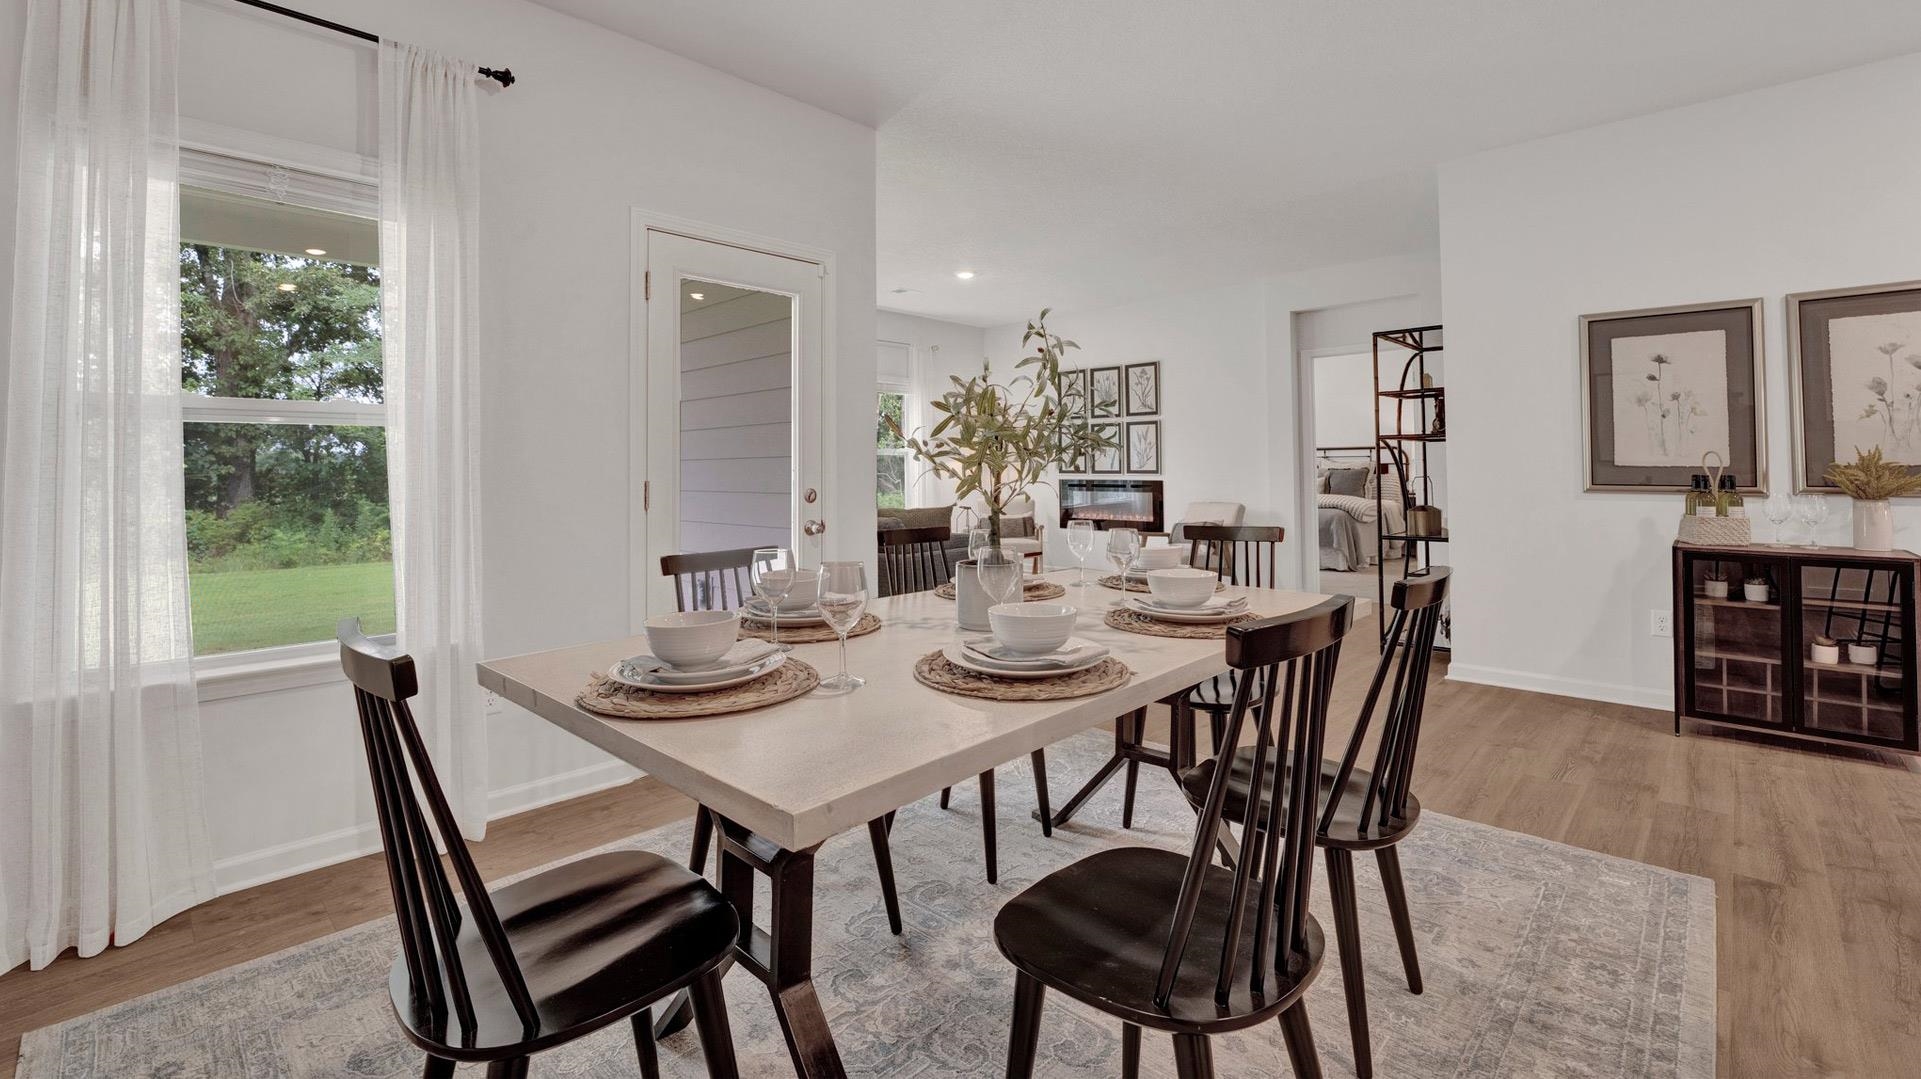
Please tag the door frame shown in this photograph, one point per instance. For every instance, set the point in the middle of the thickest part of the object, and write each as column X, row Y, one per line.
column 641, row 561
column 1307, row 505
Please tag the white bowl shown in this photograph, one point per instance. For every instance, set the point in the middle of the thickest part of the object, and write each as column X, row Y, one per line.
column 1181, row 586
column 1152, row 558
column 1033, row 628
column 803, row 591
column 692, row 640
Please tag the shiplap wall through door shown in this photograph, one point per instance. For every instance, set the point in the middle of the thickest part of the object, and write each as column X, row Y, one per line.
column 736, row 420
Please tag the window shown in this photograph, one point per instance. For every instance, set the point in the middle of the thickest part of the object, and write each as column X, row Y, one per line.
column 286, row 453
column 890, row 451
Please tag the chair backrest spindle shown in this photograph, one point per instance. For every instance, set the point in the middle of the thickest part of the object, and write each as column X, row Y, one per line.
column 913, row 559
column 710, row 580
column 1245, row 555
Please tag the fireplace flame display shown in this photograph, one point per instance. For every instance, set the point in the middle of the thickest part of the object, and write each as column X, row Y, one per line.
column 1116, row 503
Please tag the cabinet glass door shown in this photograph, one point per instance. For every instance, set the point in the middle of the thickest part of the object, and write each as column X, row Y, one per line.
column 1862, row 692
column 1738, row 655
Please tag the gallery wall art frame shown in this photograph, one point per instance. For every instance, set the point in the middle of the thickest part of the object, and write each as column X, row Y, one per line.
column 1835, row 413
column 1660, row 386
column 1104, row 391
column 1074, row 391
column 1144, row 447
column 1107, row 462
column 1141, row 387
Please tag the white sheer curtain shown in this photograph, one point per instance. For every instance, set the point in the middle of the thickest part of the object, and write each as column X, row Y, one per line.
column 429, row 196
column 102, row 831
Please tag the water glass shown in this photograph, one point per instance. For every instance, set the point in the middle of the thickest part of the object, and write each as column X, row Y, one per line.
column 843, row 597
column 1779, row 508
column 999, row 571
column 1080, row 543
column 772, row 571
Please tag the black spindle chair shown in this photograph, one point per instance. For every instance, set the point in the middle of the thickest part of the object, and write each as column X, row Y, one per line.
column 1245, row 555
column 538, row 962
column 723, row 580
column 913, row 559
column 1174, row 942
column 1363, row 808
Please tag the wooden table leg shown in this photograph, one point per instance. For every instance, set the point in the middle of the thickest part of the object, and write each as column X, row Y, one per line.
column 782, row 955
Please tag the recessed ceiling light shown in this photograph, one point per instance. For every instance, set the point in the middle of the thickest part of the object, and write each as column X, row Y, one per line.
column 316, row 251
column 904, row 291
column 964, row 275
column 697, row 295
column 288, row 286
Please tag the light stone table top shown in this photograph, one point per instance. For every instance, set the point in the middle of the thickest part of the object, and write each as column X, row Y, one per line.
column 800, row 772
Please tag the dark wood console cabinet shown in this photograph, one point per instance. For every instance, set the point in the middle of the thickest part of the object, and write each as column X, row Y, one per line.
column 1744, row 662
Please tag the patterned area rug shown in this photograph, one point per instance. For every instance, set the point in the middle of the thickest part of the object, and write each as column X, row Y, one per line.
column 1539, row 958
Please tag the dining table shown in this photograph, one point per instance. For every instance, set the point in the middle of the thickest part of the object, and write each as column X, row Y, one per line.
column 781, row 780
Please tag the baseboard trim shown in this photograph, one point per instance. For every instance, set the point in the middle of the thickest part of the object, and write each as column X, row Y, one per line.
column 1561, row 687
column 254, row 868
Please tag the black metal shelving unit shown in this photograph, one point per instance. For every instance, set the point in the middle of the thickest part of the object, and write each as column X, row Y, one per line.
column 1418, row 429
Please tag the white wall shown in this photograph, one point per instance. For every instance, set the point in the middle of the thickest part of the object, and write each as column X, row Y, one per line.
column 736, row 423
column 598, row 124
column 1808, row 185
column 939, row 349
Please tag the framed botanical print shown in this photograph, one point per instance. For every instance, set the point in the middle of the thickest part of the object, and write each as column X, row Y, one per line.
column 1854, row 356
column 1144, row 447
column 1074, row 391
column 1107, row 462
column 1073, row 463
column 1662, row 387
column 1143, row 382
column 1104, row 391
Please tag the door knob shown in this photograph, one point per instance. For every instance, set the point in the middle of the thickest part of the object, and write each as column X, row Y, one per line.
column 814, row 528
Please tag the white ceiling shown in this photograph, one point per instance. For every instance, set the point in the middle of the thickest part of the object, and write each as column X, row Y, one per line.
column 1080, row 153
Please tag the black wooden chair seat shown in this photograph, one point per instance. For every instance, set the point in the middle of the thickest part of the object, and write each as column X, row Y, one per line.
column 1097, row 931
column 1346, row 830
column 597, row 939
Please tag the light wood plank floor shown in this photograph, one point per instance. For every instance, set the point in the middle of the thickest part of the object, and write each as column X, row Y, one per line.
column 1815, row 854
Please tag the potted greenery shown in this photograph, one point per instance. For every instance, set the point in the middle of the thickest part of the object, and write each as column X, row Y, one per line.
column 999, row 440
column 1870, row 481
column 1716, row 583
column 1755, row 589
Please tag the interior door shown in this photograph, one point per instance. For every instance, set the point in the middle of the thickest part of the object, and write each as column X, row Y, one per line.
column 734, row 421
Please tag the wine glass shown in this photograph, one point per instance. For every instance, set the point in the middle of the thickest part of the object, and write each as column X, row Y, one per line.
column 978, row 540
column 843, row 596
column 999, row 570
column 1812, row 510
column 1123, row 544
column 1080, row 543
column 1779, row 508
column 772, row 570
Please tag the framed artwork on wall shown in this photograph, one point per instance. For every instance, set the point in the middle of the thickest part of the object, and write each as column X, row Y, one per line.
column 1143, row 382
column 1663, row 386
column 1104, row 391
column 1074, row 391
column 1144, row 447
column 1854, row 359
column 1107, row 462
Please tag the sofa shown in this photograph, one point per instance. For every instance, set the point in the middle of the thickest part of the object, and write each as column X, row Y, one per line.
column 1019, row 531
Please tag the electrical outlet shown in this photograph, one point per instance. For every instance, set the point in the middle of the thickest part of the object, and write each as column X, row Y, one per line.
column 1660, row 623
column 494, row 705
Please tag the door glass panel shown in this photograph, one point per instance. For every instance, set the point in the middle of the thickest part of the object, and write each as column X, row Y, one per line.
column 736, row 417
column 1737, row 641
column 1859, row 609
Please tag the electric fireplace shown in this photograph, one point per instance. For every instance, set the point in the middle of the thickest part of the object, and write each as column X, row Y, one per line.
column 1113, row 503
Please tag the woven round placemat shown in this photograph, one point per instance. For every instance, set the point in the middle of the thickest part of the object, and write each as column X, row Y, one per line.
column 937, row 671
column 1132, row 622
column 610, row 698
column 814, row 634
column 1114, row 581
column 1031, row 592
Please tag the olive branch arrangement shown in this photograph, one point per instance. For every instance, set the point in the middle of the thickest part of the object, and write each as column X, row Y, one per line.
column 1000, row 440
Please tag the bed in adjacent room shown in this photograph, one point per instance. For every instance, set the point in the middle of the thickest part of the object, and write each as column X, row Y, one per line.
column 1350, row 517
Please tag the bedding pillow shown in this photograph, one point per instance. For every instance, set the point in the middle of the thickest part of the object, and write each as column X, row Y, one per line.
column 1347, row 481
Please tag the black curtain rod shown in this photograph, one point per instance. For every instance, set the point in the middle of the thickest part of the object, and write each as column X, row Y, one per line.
column 504, row 76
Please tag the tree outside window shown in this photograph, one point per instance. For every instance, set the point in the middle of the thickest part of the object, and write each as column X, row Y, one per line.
column 890, row 452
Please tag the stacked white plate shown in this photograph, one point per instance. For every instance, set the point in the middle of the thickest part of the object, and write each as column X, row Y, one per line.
column 1216, row 609
column 983, row 655
column 741, row 664
column 759, row 612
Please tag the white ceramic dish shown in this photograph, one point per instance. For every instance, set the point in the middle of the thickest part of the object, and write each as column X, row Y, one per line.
column 805, row 616
column 1032, row 627
column 803, row 589
column 988, row 651
column 743, row 656
column 653, row 683
column 1191, row 616
column 959, row 656
column 1181, row 586
column 1151, row 558
column 692, row 640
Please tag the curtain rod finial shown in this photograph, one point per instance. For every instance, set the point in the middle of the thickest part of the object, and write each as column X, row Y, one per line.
column 504, row 76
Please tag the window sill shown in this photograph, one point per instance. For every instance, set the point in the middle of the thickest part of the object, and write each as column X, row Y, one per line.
column 220, row 678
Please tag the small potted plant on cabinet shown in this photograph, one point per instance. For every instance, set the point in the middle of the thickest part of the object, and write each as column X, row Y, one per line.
column 1825, row 650
column 1755, row 589
column 1870, row 481
column 1716, row 583
column 1863, row 653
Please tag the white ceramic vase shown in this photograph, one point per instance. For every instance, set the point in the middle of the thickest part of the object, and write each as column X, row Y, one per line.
column 970, row 599
column 1873, row 526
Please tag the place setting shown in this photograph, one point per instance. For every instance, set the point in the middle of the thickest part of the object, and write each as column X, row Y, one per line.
column 980, row 540
column 1133, row 560
column 786, row 606
column 697, row 664
column 1181, row 602
column 1031, row 654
